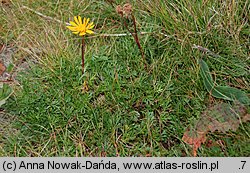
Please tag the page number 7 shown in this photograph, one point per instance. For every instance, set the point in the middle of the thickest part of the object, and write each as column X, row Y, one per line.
column 243, row 164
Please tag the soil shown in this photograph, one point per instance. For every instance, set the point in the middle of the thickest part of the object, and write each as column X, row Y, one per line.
column 6, row 119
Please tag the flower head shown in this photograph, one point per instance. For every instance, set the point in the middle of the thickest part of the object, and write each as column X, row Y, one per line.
column 81, row 27
column 126, row 10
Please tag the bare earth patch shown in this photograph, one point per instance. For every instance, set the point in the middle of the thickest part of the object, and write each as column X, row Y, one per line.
column 6, row 129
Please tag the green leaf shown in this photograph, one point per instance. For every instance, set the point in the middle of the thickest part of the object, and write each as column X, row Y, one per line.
column 230, row 93
column 222, row 92
column 5, row 93
column 206, row 76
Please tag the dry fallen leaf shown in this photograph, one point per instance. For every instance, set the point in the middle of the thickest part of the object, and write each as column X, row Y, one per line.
column 2, row 68
column 221, row 117
column 194, row 138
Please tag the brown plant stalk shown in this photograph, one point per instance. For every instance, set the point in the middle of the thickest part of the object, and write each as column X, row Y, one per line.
column 125, row 12
column 136, row 38
column 137, row 41
column 83, row 51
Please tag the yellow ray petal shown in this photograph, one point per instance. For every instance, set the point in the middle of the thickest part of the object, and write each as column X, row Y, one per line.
column 76, row 20
column 87, row 21
column 92, row 23
column 72, row 28
column 90, row 32
column 82, row 33
column 73, row 23
column 80, row 20
column 76, row 32
column 90, row 26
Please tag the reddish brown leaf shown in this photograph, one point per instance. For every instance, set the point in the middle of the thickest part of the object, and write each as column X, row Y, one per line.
column 2, row 68
column 216, row 125
column 221, row 117
column 194, row 138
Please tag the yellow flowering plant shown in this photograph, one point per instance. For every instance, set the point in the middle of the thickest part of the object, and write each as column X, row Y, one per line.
column 81, row 28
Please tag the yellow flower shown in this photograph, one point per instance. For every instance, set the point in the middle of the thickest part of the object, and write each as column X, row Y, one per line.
column 81, row 27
